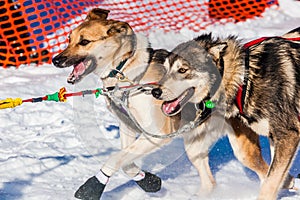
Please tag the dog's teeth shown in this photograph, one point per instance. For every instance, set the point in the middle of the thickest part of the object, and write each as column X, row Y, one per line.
column 89, row 62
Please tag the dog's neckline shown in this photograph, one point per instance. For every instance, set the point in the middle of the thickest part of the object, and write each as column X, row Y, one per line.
column 206, row 107
column 120, row 66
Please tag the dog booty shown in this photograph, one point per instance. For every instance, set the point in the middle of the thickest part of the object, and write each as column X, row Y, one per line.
column 150, row 183
column 92, row 189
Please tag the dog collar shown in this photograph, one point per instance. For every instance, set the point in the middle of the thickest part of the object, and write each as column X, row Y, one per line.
column 206, row 107
column 205, row 104
column 114, row 72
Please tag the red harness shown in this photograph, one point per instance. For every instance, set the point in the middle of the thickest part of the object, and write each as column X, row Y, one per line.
column 241, row 93
column 259, row 40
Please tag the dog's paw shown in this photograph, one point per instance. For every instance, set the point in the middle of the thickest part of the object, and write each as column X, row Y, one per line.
column 296, row 185
column 150, row 183
column 92, row 189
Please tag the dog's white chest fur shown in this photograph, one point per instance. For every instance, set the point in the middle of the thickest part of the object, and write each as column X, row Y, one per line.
column 261, row 127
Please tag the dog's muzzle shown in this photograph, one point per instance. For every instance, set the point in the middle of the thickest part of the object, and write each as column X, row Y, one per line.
column 82, row 66
column 174, row 106
column 58, row 61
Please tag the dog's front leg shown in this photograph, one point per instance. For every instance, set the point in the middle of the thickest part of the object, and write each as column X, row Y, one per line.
column 140, row 147
column 197, row 151
column 140, row 176
column 128, row 137
column 94, row 187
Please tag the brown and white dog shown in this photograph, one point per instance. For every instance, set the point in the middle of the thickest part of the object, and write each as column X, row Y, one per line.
column 260, row 86
column 110, row 48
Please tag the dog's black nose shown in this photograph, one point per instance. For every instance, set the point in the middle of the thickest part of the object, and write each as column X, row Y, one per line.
column 59, row 60
column 156, row 92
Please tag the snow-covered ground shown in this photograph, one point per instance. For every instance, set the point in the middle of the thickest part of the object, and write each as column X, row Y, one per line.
column 49, row 149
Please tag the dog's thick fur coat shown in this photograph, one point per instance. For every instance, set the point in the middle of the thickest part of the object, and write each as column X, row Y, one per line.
column 269, row 71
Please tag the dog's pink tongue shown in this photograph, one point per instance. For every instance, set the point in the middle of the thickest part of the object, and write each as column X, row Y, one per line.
column 169, row 107
column 79, row 69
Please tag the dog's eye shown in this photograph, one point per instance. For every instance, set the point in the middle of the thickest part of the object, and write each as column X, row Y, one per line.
column 84, row 42
column 182, row 70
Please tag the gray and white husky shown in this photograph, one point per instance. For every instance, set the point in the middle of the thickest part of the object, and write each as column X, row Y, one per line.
column 260, row 85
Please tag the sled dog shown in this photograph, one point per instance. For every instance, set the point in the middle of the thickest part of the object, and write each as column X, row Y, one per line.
column 259, row 82
column 112, row 50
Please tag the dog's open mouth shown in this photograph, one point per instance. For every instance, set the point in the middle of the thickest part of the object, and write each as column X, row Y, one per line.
column 81, row 68
column 173, row 107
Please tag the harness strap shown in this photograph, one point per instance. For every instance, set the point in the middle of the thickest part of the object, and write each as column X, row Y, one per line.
column 260, row 40
column 241, row 93
column 204, row 113
column 254, row 42
column 293, row 39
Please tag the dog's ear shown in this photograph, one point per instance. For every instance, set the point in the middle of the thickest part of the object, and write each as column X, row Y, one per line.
column 97, row 13
column 217, row 50
column 121, row 28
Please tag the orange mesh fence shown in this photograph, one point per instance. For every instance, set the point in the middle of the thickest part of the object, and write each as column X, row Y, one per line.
column 239, row 10
column 32, row 31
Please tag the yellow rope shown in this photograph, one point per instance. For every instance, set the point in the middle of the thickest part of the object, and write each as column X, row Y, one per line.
column 10, row 103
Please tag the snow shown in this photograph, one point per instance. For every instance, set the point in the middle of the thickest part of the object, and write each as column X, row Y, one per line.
column 47, row 150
